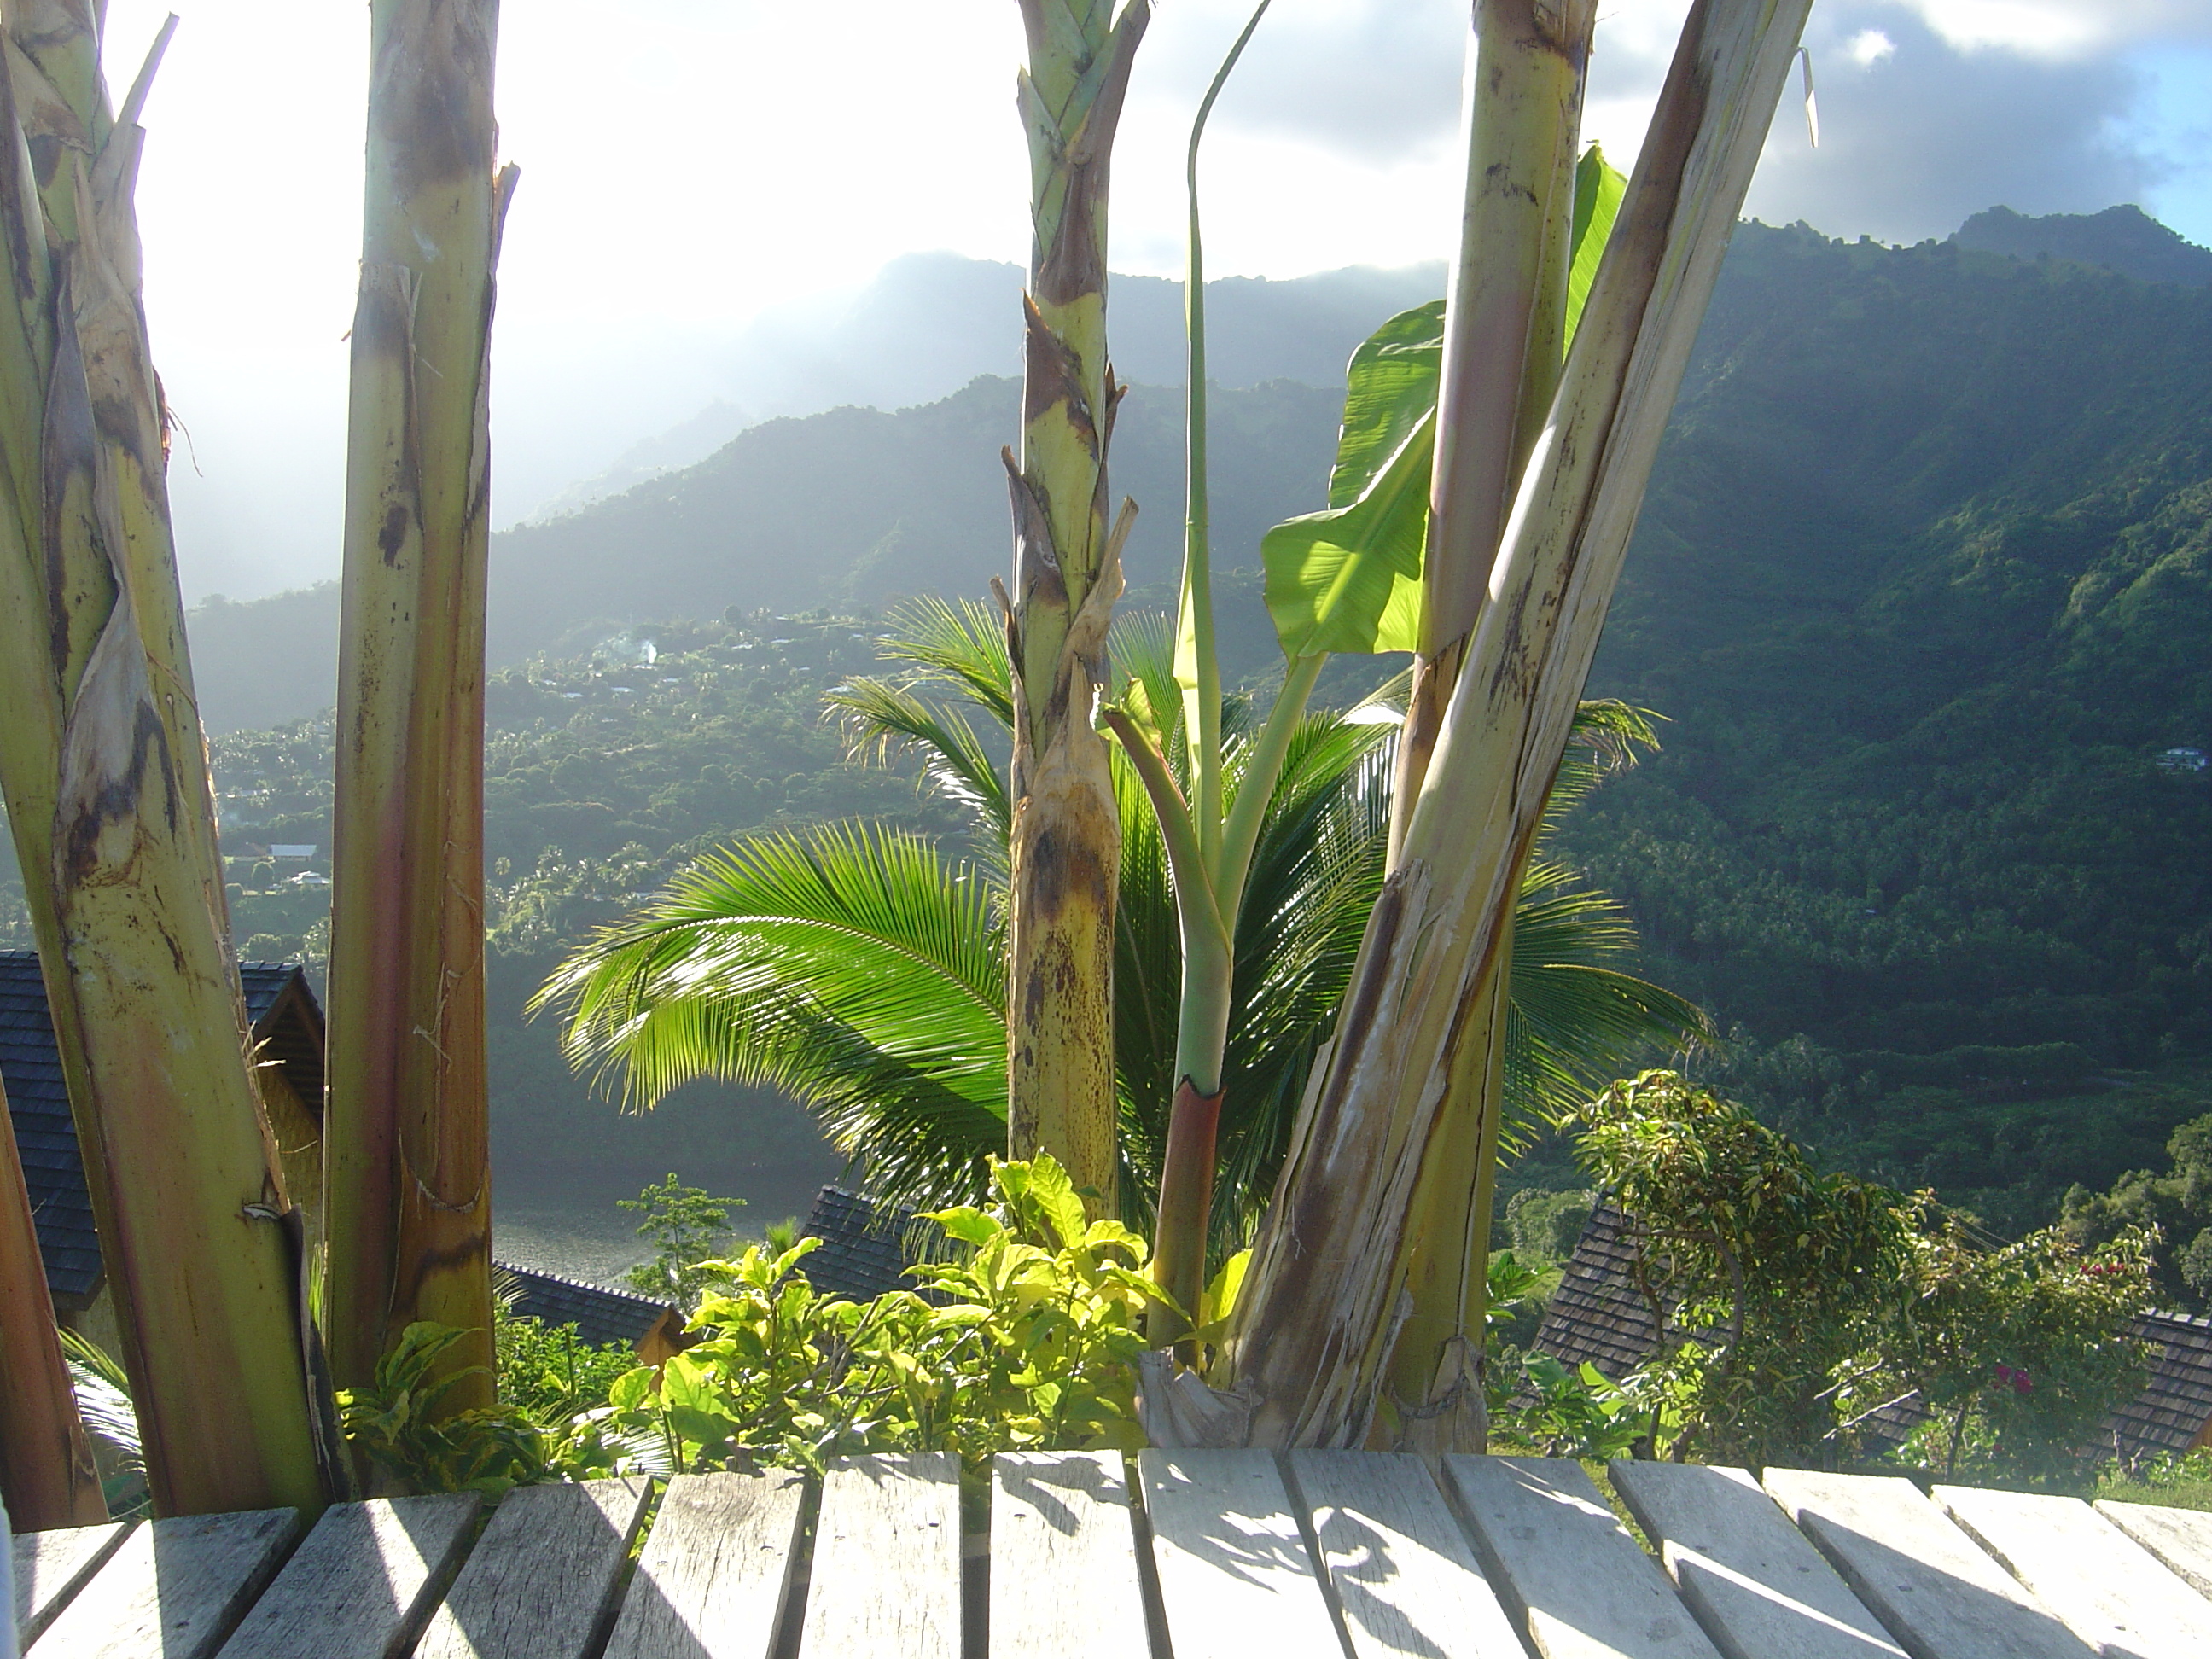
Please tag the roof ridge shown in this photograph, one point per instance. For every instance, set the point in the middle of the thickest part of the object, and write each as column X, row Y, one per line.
column 596, row 1288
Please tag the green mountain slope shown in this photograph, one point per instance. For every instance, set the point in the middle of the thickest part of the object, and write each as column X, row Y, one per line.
column 1924, row 585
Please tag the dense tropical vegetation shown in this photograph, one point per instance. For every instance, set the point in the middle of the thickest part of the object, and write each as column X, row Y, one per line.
column 1257, row 950
column 859, row 967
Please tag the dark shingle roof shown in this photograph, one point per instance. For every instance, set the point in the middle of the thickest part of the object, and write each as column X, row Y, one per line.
column 2174, row 1409
column 600, row 1316
column 45, row 1134
column 866, row 1246
column 1598, row 1315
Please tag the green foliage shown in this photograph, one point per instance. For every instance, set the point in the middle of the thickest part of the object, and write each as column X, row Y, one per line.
column 1541, row 1227
column 1579, row 1411
column 1797, row 1305
column 393, row 1425
column 2176, row 1206
column 1349, row 578
column 687, row 1227
column 1776, row 1275
column 1026, row 1341
column 548, row 1374
column 2182, row 1483
column 2019, row 1352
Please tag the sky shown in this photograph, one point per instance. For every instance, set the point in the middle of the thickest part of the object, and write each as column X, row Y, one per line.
column 690, row 167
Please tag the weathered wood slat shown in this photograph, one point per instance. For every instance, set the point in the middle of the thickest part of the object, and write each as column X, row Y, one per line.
column 2180, row 1538
column 1936, row 1590
column 173, row 1589
column 51, row 1567
column 1236, row 1579
column 1064, row 1577
column 1757, row 1587
column 1564, row 1567
column 2110, row 1591
column 1406, row 1581
column 886, row 1573
column 540, row 1582
column 363, row 1583
column 714, row 1576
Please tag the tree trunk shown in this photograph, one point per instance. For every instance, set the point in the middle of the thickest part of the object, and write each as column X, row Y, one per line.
column 1327, row 1290
column 109, row 802
column 1505, row 332
column 1065, row 842
column 406, row 1140
column 47, row 1472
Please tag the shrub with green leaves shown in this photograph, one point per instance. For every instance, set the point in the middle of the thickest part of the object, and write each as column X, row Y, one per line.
column 394, row 1426
column 1776, row 1275
column 548, row 1372
column 2020, row 1351
column 1027, row 1339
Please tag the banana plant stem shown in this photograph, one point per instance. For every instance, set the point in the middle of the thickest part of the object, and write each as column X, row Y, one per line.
column 1262, row 773
column 1198, row 666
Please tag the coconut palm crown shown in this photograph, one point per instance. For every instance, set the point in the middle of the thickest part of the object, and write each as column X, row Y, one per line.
column 862, row 968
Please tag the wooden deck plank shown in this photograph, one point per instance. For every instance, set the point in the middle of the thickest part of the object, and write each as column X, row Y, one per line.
column 2108, row 1589
column 714, row 1576
column 1752, row 1580
column 539, row 1583
column 1064, row 1577
column 1937, row 1590
column 1567, row 1570
column 51, row 1567
column 2180, row 1538
column 1236, row 1579
column 1406, row 1581
column 173, row 1589
column 886, row 1573
column 363, row 1583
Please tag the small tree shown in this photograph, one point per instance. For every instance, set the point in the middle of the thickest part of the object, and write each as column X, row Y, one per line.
column 2020, row 1352
column 687, row 1228
column 1764, row 1275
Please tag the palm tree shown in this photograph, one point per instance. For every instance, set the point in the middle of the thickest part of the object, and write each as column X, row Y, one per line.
column 862, row 968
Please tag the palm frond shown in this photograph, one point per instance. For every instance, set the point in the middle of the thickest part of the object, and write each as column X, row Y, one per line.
column 960, row 646
column 849, row 964
column 1574, row 1020
column 882, row 718
column 1608, row 736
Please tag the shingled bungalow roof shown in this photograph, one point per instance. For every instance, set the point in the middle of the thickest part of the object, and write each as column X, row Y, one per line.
column 866, row 1246
column 1599, row 1315
column 286, row 1021
column 600, row 1316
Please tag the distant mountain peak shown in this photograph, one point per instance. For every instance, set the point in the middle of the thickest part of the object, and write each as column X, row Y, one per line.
column 2124, row 238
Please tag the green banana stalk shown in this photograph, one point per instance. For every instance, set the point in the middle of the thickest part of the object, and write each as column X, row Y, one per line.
column 406, row 1137
column 1065, row 844
column 105, row 772
column 1316, row 1326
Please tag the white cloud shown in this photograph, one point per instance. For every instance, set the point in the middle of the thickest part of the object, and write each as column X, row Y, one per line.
column 1870, row 46
column 2059, row 29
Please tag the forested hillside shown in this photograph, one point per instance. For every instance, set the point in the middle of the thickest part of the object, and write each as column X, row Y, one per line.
column 1924, row 586
column 1922, row 589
